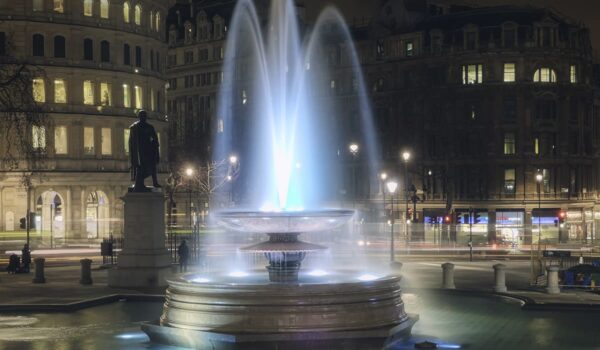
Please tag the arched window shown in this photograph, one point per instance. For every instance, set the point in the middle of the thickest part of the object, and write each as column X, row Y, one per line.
column 104, row 51
column 138, row 14
column 59, row 46
column 544, row 75
column 151, row 20
column 88, row 49
column 38, row 45
column 88, row 8
column 104, row 9
column 126, row 54
column 157, row 21
column 126, row 14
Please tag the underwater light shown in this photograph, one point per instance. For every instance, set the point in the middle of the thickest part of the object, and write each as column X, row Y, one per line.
column 318, row 273
column 238, row 274
column 200, row 280
column 132, row 335
column 367, row 277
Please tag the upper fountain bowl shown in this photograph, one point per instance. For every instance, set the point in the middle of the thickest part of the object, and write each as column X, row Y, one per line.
column 283, row 221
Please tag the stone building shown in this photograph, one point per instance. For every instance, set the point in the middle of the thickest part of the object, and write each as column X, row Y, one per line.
column 101, row 61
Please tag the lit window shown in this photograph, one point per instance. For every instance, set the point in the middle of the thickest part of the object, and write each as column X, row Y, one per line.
column 152, row 100
column 105, row 95
column 105, row 142
column 472, row 74
column 509, row 72
column 88, row 7
column 544, row 75
column 104, row 8
column 138, row 97
column 59, row 6
column 60, row 140
column 409, row 49
column 88, row 92
column 138, row 14
column 39, row 90
column 126, row 96
column 38, row 137
column 126, row 14
column 536, row 146
column 157, row 22
column 509, row 181
column 60, row 91
column 509, row 143
column 88, row 140
column 38, row 5
column 573, row 74
column 126, row 140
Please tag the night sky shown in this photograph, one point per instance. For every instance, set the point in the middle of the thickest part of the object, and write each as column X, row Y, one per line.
column 587, row 11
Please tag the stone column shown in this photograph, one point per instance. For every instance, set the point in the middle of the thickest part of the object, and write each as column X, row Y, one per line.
column 552, row 284
column 39, row 270
column 500, row 278
column 448, row 276
column 86, row 271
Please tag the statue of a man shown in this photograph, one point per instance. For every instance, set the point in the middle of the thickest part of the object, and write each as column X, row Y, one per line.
column 143, row 153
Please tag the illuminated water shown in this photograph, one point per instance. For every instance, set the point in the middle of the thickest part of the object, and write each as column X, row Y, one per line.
column 452, row 320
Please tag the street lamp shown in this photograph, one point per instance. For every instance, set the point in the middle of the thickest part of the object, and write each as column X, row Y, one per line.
column 189, row 172
column 233, row 159
column 353, row 148
column 538, row 178
column 391, row 187
column 406, row 157
column 383, row 176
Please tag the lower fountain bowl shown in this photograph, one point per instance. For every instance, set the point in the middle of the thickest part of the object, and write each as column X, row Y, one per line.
column 196, row 313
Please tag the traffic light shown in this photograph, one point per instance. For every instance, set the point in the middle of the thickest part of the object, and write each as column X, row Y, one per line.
column 22, row 223
column 447, row 219
column 476, row 217
column 561, row 217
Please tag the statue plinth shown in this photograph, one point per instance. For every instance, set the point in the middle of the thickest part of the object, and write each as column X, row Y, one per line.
column 144, row 260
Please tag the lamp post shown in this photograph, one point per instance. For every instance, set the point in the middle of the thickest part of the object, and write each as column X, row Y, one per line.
column 382, row 177
column 538, row 178
column 189, row 172
column 233, row 163
column 391, row 187
column 406, row 157
column 353, row 148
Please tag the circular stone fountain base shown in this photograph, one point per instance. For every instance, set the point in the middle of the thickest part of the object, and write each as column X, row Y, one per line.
column 210, row 315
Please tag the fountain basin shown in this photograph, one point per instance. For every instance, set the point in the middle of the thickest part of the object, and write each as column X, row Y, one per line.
column 198, row 313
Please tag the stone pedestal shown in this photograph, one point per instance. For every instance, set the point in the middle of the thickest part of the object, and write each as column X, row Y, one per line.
column 500, row 278
column 552, row 286
column 39, row 270
column 86, row 271
column 448, row 276
column 144, row 260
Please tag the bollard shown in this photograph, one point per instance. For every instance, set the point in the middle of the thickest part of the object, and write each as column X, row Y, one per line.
column 86, row 271
column 39, row 270
column 500, row 278
column 552, row 284
column 448, row 276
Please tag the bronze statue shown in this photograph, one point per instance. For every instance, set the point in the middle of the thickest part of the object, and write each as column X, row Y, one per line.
column 143, row 153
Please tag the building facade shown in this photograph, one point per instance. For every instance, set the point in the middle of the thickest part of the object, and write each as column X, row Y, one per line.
column 100, row 62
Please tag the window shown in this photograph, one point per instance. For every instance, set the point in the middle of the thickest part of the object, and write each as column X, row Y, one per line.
column 104, row 51
column 88, row 7
column 545, row 180
column 138, row 97
column 573, row 74
column 188, row 57
column 38, row 45
column 138, row 56
column 88, row 141
column 152, row 100
column 509, row 181
column 151, row 20
column 59, row 6
column 105, row 142
column 60, row 140
column 38, row 137
column 38, row 5
column 472, row 74
column 59, row 46
column 471, row 40
column 39, row 90
column 88, row 49
column 536, row 146
column 126, row 14
column 157, row 22
column 60, row 91
column 138, row 14
column 544, row 75
column 126, row 140
column 509, row 107
column 409, row 49
column 126, row 55
column 126, row 96
column 104, row 9
column 509, row 143
column 2, row 43
column 157, row 62
column 509, row 72
column 88, row 92
column 105, row 94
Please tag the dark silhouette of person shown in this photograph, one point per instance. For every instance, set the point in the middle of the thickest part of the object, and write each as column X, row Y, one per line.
column 13, row 264
column 184, row 253
column 143, row 152
column 25, row 258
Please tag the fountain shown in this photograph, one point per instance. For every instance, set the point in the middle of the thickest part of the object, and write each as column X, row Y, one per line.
column 292, row 308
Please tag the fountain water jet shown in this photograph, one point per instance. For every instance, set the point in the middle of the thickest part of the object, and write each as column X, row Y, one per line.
column 291, row 308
